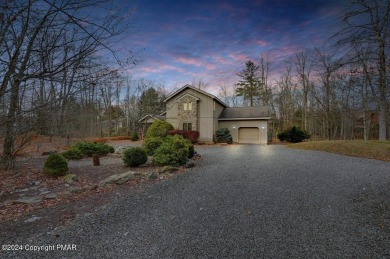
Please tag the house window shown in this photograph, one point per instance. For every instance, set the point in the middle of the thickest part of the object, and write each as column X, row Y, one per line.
column 187, row 126
column 187, row 106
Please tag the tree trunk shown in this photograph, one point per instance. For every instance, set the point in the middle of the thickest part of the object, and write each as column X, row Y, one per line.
column 7, row 160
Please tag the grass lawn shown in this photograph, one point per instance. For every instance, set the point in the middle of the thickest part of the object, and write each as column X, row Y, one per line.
column 368, row 149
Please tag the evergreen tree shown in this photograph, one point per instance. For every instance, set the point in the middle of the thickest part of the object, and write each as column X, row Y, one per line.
column 151, row 102
column 249, row 87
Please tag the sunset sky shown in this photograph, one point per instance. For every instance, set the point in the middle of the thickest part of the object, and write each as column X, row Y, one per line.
column 211, row 40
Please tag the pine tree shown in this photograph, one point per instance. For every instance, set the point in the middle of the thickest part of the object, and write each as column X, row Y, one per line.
column 249, row 87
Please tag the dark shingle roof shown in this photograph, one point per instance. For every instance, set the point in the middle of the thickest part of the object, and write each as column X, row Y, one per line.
column 250, row 113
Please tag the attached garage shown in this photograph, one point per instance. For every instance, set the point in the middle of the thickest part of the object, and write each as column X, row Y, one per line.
column 246, row 124
column 248, row 135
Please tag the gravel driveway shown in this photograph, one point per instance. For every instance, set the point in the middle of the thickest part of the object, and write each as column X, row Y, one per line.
column 241, row 201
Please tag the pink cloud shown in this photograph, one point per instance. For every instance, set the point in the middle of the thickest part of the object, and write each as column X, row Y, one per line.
column 261, row 43
column 240, row 57
column 160, row 68
column 189, row 61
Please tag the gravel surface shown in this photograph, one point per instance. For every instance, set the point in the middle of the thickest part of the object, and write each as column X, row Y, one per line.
column 241, row 201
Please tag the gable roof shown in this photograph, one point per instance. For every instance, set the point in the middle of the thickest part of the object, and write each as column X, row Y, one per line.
column 245, row 113
column 150, row 116
column 195, row 89
column 187, row 94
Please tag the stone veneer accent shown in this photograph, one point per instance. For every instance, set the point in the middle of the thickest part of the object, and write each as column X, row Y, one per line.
column 187, row 116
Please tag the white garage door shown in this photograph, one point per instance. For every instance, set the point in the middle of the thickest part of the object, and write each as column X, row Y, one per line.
column 248, row 135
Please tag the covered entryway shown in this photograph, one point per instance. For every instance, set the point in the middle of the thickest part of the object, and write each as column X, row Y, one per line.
column 249, row 135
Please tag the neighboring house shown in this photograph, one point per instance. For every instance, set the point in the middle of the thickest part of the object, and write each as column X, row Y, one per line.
column 147, row 120
column 190, row 108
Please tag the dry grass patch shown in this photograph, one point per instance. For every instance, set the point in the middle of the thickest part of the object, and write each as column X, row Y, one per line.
column 379, row 150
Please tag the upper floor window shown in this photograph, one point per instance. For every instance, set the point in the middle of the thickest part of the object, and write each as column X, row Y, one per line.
column 187, row 106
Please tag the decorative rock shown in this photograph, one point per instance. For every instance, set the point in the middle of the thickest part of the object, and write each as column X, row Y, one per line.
column 32, row 219
column 117, row 179
column 190, row 163
column 120, row 150
column 22, row 190
column 29, row 200
column 90, row 187
column 168, row 169
column 44, row 192
column 36, row 182
column 70, row 178
column 51, row 196
column 76, row 190
column 151, row 176
column 1, row 205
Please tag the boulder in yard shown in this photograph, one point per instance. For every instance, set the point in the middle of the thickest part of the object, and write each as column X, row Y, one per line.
column 168, row 169
column 117, row 178
column 151, row 176
column 70, row 178
column 29, row 200
column 120, row 150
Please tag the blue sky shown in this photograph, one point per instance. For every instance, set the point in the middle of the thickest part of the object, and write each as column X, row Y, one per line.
column 180, row 41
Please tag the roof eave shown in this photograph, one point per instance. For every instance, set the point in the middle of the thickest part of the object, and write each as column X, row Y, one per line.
column 244, row 119
column 198, row 90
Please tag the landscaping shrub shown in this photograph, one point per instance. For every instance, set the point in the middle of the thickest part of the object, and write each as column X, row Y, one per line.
column 135, row 156
column 191, row 150
column 134, row 136
column 72, row 154
column 55, row 165
column 223, row 136
column 191, row 135
column 151, row 144
column 293, row 135
column 158, row 129
column 173, row 151
column 90, row 149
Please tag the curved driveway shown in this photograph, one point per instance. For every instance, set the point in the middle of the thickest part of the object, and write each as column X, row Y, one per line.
column 244, row 201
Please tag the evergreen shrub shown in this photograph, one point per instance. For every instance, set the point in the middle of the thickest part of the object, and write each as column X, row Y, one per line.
column 158, row 129
column 72, row 154
column 134, row 136
column 294, row 135
column 173, row 151
column 151, row 144
column 95, row 148
column 223, row 136
column 55, row 165
column 135, row 156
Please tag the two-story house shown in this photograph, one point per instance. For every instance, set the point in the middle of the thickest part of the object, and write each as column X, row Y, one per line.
column 190, row 108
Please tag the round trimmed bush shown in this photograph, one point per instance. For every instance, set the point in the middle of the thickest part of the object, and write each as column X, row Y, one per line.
column 223, row 136
column 55, row 165
column 151, row 145
column 110, row 149
column 72, row 154
column 173, row 151
column 134, row 136
column 135, row 156
column 158, row 129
